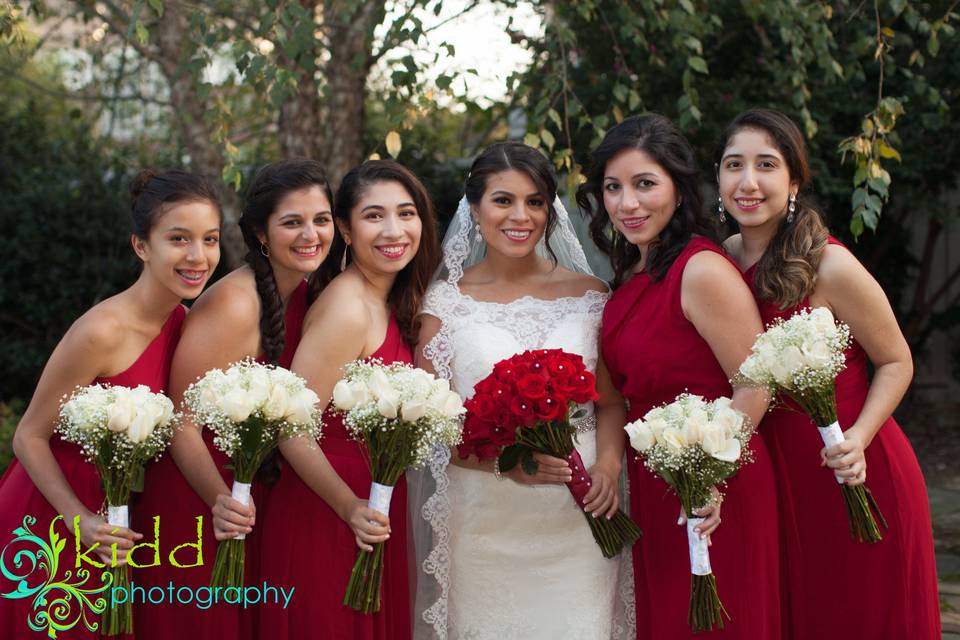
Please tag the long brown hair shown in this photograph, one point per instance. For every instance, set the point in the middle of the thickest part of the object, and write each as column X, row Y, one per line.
column 657, row 136
column 411, row 283
column 787, row 271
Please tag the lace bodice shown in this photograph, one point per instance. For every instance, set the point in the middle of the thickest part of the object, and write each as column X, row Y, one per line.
column 476, row 334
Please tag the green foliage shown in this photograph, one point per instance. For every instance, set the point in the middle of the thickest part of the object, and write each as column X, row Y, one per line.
column 65, row 244
column 10, row 414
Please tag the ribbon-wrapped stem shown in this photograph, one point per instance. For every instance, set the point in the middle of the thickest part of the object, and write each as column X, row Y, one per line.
column 117, row 619
column 555, row 438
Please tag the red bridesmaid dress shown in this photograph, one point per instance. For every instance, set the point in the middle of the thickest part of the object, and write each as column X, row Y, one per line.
column 167, row 494
column 834, row 587
column 313, row 550
column 654, row 354
column 19, row 497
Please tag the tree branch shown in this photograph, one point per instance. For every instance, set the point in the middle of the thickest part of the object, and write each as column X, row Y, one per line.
column 36, row 86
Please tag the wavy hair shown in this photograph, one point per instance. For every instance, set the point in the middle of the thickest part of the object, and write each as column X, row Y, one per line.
column 787, row 271
column 656, row 136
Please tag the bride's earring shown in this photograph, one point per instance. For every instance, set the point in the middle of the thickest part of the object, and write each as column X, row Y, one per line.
column 720, row 209
column 479, row 236
column 792, row 208
column 343, row 260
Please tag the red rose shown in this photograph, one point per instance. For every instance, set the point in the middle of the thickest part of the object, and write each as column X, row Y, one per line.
column 549, row 409
column 585, row 386
column 532, row 386
column 523, row 410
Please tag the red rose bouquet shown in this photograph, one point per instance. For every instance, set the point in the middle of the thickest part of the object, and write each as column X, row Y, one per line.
column 526, row 406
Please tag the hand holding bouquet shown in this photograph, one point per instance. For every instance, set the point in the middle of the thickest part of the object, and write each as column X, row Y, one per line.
column 525, row 406
column 695, row 445
column 249, row 407
column 120, row 430
column 400, row 413
column 801, row 358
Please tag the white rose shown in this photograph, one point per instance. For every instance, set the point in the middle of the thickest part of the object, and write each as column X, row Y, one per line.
column 730, row 420
column 822, row 320
column 379, row 384
column 816, row 354
column 453, row 405
column 141, row 427
column 440, row 386
column 714, row 439
column 275, row 408
column 166, row 413
column 121, row 411
column 413, row 410
column 236, row 405
column 722, row 403
column 259, row 388
column 300, row 407
column 388, row 404
column 730, row 451
column 657, row 426
column 641, row 437
column 343, row 396
column 674, row 440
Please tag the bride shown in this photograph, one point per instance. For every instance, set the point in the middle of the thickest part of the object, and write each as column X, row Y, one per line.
column 509, row 555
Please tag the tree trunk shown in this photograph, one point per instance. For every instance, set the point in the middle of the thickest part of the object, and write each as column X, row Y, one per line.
column 298, row 123
column 350, row 26
column 205, row 155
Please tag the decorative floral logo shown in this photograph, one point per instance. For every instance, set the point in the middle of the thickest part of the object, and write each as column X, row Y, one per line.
column 58, row 604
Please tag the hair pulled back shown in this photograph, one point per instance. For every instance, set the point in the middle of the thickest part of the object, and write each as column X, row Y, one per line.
column 656, row 136
column 411, row 283
column 152, row 193
column 271, row 184
column 515, row 156
column 787, row 271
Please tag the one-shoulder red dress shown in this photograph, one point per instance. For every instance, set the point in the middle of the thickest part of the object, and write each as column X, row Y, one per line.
column 19, row 498
column 312, row 551
column 167, row 494
column 654, row 354
column 834, row 587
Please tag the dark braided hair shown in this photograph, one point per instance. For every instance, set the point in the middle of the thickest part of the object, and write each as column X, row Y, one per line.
column 271, row 184
column 656, row 136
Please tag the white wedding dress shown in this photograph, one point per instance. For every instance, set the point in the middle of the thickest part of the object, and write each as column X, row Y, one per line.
column 511, row 561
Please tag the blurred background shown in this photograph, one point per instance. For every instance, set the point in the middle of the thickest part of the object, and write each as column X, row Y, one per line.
column 90, row 91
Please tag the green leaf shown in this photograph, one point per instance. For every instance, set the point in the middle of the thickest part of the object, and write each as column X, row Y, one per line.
column 688, row 6
column 697, row 64
column 856, row 225
column 898, row 6
column 859, row 198
column 142, row 34
column 531, row 140
column 548, row 139
column 620, row 92
column 933, row 44
column 634, row 100
column 528, row 463
column 509, row 457
column 889, row 152
column 157, row 6
column 553, row 115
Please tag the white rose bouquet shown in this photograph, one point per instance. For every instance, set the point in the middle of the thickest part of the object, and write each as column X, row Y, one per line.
column 695, row 445
column 120, row 430
column 400, row 413
column 249, row 407
column 801, row 358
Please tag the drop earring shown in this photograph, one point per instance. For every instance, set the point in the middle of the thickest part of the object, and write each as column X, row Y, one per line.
column 792, row 208
column 343, row 260
column 720, row 209
column 479, row 236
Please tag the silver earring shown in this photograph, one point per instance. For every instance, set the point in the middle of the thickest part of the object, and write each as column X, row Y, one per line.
column 792, row 208
column 264, row 250
column 720, row 209
column 343, row 260
column 479, row 237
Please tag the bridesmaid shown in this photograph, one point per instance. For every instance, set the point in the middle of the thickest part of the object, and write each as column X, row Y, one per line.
column 255, row 311
column 680, row 320
column 126, row 340
column 368, row 299
column 834, row 587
